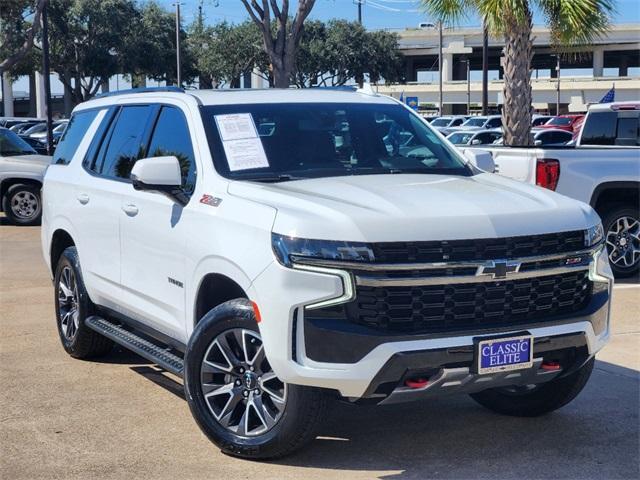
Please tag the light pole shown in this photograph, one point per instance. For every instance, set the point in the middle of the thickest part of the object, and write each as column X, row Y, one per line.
column 359, row 2
column 46, row 71
column 468, row 60
column 558, row 85
column 440, row 68
column 178, row 74
column 485, row 69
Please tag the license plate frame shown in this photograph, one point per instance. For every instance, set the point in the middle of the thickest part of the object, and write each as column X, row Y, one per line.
column 505, row 361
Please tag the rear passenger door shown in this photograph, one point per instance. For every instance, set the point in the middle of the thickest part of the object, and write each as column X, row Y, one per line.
column 153, row 234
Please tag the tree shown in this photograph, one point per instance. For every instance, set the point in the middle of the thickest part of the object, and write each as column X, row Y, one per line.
column 222, row 63
column 87, row 42
column 282, row 47
column 312, row 60
column 17, row 35
column 571, row 22
column 150, row 46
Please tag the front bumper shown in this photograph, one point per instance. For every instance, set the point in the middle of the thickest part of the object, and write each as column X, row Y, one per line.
column 282, row 293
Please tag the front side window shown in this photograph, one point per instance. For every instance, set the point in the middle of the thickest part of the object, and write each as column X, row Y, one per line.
column 171, row 137
column 73, row 135
column 126, row 142
column 12, row 145
column 303, row 140
column 494, row 123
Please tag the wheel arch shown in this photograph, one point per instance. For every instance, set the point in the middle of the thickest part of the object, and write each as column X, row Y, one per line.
column 60, row 240
column 214, row 289
column 609, row 193
column 7, row 183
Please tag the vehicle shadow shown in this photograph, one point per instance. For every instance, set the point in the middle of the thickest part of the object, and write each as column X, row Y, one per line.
column 595, row 436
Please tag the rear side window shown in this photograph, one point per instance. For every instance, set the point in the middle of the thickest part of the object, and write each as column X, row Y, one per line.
column 494, row 123
column 171, row 137
column 126, row 143
column 73, row 135
column 611, row 128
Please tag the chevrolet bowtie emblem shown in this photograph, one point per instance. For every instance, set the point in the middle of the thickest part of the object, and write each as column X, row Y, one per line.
column 498, row 269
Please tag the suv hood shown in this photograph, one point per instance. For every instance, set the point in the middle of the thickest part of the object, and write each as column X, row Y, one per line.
column 406, row 207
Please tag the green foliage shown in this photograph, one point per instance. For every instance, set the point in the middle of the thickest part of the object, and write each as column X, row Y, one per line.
column 225, row 52
column 15, row 26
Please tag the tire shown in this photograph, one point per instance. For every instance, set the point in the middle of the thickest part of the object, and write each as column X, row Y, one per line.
column 73, row 306
column 293, row 422
column 22, row 204
column 622, row 224
column 541, row 399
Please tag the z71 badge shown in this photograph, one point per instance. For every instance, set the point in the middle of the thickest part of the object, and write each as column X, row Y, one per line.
column 210, row 200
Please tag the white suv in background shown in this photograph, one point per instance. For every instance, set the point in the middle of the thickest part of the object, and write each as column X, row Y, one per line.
column 278, row 249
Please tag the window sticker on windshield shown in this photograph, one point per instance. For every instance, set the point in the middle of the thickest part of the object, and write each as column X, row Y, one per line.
column 236, row 126
column 245, row 154
column 241, row 143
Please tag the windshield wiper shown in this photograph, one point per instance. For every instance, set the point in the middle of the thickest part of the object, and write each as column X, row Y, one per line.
column 273, row 178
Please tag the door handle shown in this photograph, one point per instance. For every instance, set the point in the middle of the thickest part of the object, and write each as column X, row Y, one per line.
column 83, row 198
column 130, row 209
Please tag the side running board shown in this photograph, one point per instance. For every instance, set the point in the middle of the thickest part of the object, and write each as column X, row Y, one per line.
column 146, row 349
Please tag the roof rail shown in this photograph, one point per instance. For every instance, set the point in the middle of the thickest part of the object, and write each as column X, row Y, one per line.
column 140, row 90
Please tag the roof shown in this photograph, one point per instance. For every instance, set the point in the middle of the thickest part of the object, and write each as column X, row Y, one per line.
column 245, row 96
column 600, row 107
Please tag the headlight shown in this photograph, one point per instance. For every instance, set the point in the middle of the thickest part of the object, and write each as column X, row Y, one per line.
column 593, row 235
column 288, row 249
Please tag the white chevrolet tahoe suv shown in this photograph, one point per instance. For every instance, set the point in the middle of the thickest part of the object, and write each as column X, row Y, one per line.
column 280, row 249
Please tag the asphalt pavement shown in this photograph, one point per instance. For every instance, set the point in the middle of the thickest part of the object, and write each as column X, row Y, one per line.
column 122, row 418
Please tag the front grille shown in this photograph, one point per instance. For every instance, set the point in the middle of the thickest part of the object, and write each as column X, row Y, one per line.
column 459, row 307
column 484, row 249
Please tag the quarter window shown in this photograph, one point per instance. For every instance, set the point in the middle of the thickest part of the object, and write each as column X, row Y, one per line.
column 73, row 135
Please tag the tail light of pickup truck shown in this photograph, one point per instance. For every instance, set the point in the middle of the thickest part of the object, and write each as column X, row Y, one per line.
column 547, row 173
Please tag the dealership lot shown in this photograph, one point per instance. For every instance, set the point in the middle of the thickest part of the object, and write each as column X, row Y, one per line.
column 120, row 417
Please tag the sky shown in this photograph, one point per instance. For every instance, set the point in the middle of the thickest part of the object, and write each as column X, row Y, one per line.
column 376, row 14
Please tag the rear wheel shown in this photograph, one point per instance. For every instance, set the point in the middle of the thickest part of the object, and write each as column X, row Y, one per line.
column 622, row 235
column 73, row 307
column 535, row 400
column 22, row 204
column 235, row 396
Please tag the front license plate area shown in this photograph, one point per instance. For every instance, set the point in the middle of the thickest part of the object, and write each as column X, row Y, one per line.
column 504, row 354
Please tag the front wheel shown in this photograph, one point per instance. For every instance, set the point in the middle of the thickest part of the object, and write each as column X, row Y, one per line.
column 622, row 235
column 22, row 204
column 235, row 396
column 536, row 400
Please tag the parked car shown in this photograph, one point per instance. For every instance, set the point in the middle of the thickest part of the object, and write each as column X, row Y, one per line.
column 551, row 137
column 474, row 137
column 448, row 121
column 601, row 169
column 40, row 129
column 563, row 122
column 19, row 128
column 538, row 120
column 476, row 123
column 347, row 252
column 8, row 122
column 21, row 172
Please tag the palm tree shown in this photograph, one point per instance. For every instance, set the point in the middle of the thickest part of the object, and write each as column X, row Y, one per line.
column 571, row 22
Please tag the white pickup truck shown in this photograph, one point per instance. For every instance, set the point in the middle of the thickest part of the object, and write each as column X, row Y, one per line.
column 601, row 169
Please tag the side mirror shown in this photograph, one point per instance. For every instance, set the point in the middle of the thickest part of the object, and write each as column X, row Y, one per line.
column 159, row 174
column 476, row 141
column 481, row 159
column 537, row 143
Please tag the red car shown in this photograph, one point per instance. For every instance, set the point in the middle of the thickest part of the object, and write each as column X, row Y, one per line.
column 564, row 122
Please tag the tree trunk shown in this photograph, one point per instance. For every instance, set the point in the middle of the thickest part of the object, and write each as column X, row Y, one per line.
column 516, row 113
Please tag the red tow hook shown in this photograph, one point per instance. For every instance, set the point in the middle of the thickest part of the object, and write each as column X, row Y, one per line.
column 550, row 366
column 416, row 382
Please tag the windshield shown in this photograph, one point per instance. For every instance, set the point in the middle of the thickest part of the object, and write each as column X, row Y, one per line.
column 441, row 122
column 277, row 142
column 559, row 121
column 475, row 122
column 460, row 138
column 11, row 144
